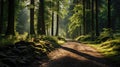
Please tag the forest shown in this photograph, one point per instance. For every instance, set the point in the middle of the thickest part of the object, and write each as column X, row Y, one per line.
column 59, row 33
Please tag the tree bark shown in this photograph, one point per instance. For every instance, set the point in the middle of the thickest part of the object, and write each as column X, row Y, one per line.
column 41, row 22
column 97, row 27
column 109, row 14
column 57, row 24
column 11, row 13
column 92, row 20
column 32, row 31
column 52, row 29
column 1, row 16
column 84, row 22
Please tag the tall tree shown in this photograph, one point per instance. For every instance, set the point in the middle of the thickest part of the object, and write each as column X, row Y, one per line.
column 97, row 28
column 109, row 15
column 41, row 22
column 116, row 15
column 11, row 17
column 84, row 13
column 57, row 23
column 32, row 31
column 1, row 16
column 92, row 20
column 52, row 29
column 88, row 16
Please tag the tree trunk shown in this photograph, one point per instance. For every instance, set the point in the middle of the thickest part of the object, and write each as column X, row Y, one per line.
column 41, row 22
column 32, row 31
column 88, row 16
column 116, row 16
column 57, row 24
column 84, row 22
column 109, row 14
column 52, row 30
column 1, row 16
column 97, row 28
column 92, row 21
column 11, row 14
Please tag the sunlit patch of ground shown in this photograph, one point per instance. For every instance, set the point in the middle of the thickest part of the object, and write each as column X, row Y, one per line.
column 73, row 54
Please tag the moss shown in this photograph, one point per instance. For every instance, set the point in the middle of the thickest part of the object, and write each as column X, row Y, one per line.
column 84, row 38
column 110, row 49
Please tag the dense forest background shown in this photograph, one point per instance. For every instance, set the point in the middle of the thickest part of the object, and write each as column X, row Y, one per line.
column 68, row 18
column 86, row 21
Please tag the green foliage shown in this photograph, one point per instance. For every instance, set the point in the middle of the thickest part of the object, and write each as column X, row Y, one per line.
column 7, row 40
column 21, row 53
column 105, row 35
column 75, row 20
column 52, row 40
column 117, row 35
column 83, row 38
column 114, row 44
column 61, row 38
column 77, row 16
column 110, row 49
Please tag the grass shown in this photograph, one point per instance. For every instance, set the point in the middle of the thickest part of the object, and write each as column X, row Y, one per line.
column 110, row 49
column 61, row 42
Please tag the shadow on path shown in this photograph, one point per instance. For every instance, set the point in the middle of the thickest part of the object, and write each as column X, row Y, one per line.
column 83, row 59
column 87, row 56
column 72, row 62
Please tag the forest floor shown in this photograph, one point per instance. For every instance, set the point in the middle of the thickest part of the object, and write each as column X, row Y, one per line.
column 73, row 54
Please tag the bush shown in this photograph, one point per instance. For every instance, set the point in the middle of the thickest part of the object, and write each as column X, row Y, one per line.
column 10, row 39
column 84, row 38
column 110, row 49
column 105, row 35
column 21, row 53
column 114, row 44
column 117, row 35
column 7, row 40
column 61, row 38
column 49, row 38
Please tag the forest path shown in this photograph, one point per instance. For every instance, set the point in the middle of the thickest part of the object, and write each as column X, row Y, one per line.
column 73, row 54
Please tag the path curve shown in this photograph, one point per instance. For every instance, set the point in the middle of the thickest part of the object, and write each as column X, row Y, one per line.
column 73, row 54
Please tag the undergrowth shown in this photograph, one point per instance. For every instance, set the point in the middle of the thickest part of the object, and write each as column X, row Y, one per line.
column 107, row 43
column 110, row 49
column 19, row 51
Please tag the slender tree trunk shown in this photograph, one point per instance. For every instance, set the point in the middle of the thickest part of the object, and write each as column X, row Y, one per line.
column 42, row 18
column 84, row 22
column 32, row 31
column 92, row 20
column 88, row 16
column 1, row 16
column 97, row 27
column 57, row 24
column 41, row 22
column 109, row 14
column 52, row 29
column 11, row 14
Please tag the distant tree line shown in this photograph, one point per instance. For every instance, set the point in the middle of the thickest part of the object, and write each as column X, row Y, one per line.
column 41, row 17
column 96, row 15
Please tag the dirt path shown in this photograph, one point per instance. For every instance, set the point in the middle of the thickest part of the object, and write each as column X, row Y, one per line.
column 73, row 54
